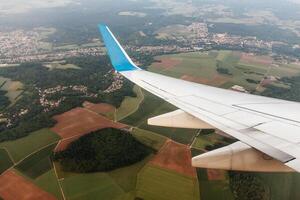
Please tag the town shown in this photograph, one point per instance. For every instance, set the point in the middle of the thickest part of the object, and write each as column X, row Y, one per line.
column 29, row 46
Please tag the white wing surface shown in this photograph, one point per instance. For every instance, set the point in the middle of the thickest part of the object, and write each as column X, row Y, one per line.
column 261, row 124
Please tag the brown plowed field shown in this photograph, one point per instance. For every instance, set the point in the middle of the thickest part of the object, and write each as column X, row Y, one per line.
column 100, row 108
column 15, row 187
column 167, row 63
column 176, row 157
column 217, row 80
column 80, row 121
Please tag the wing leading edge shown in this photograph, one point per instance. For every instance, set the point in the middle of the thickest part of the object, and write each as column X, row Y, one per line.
column 264, row 124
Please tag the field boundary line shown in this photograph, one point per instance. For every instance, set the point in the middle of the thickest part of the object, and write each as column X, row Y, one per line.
column 10, row 156
column 134, row 110
column 58, row 181
column 35, row 152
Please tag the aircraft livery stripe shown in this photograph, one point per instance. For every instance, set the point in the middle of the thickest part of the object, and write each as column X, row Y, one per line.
column 119, row 59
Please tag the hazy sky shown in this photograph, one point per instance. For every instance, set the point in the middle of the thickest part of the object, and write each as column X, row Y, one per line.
column 19, row 6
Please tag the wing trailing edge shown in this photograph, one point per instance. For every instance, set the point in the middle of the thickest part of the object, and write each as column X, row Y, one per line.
column 241, row 157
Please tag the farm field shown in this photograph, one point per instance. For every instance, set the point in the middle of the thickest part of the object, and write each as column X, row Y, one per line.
column 5, row 161
column 149, row 138
column 165, row 175
column 123, row 183
column 158, row 183
column 14, row 186
column 49, row 183
column 116, row 184
column 37, row 164
column 130, row 104
column 80, row 121
column 13, row 88
column 201, row 67
column 201, row 141
column 281, row 185
column 100, row 108
column 214, row 189
column 89, row 186
column 38, row 169
column 175, row 157
column 77, row 122
column 153, row 106
column 29, row 144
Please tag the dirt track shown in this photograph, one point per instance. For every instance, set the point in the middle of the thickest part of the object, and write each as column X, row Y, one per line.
column 176, row 157
column 15, row 187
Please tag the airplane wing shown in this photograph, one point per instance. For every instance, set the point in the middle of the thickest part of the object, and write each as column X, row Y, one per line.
column 268, row 129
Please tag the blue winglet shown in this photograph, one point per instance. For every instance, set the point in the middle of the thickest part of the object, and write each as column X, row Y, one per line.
column 118, row 57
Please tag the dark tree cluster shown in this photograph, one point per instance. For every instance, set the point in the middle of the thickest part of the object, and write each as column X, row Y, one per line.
column 223, row 71
column 102, row 150
column 252, row 81
column 247, row 186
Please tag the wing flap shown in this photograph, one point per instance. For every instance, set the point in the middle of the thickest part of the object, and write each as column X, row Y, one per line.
column 241, row 157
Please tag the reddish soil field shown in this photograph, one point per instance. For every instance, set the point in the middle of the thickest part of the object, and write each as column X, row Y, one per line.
column 80, row 121
column 100, row 108
column 249, row 58
column 176, row 157
column 217, row 80
column 15, row 187
column 167, row 63
column 215, row 175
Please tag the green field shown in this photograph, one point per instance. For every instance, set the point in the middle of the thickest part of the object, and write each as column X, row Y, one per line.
column 153, row 106
column 91, row 186
column 203, row 66
column 121, row 182
column 201, row 141
column 217, row 189
column 49, row 183
column 148, row 138
column 128, row 183
column 5, row 161
column 126, row 177
column 130, row 104
column 193, row 64
column 159, row 184
column 281, row 185
column 13, row 88
column 37, row 164
column 28, row 145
